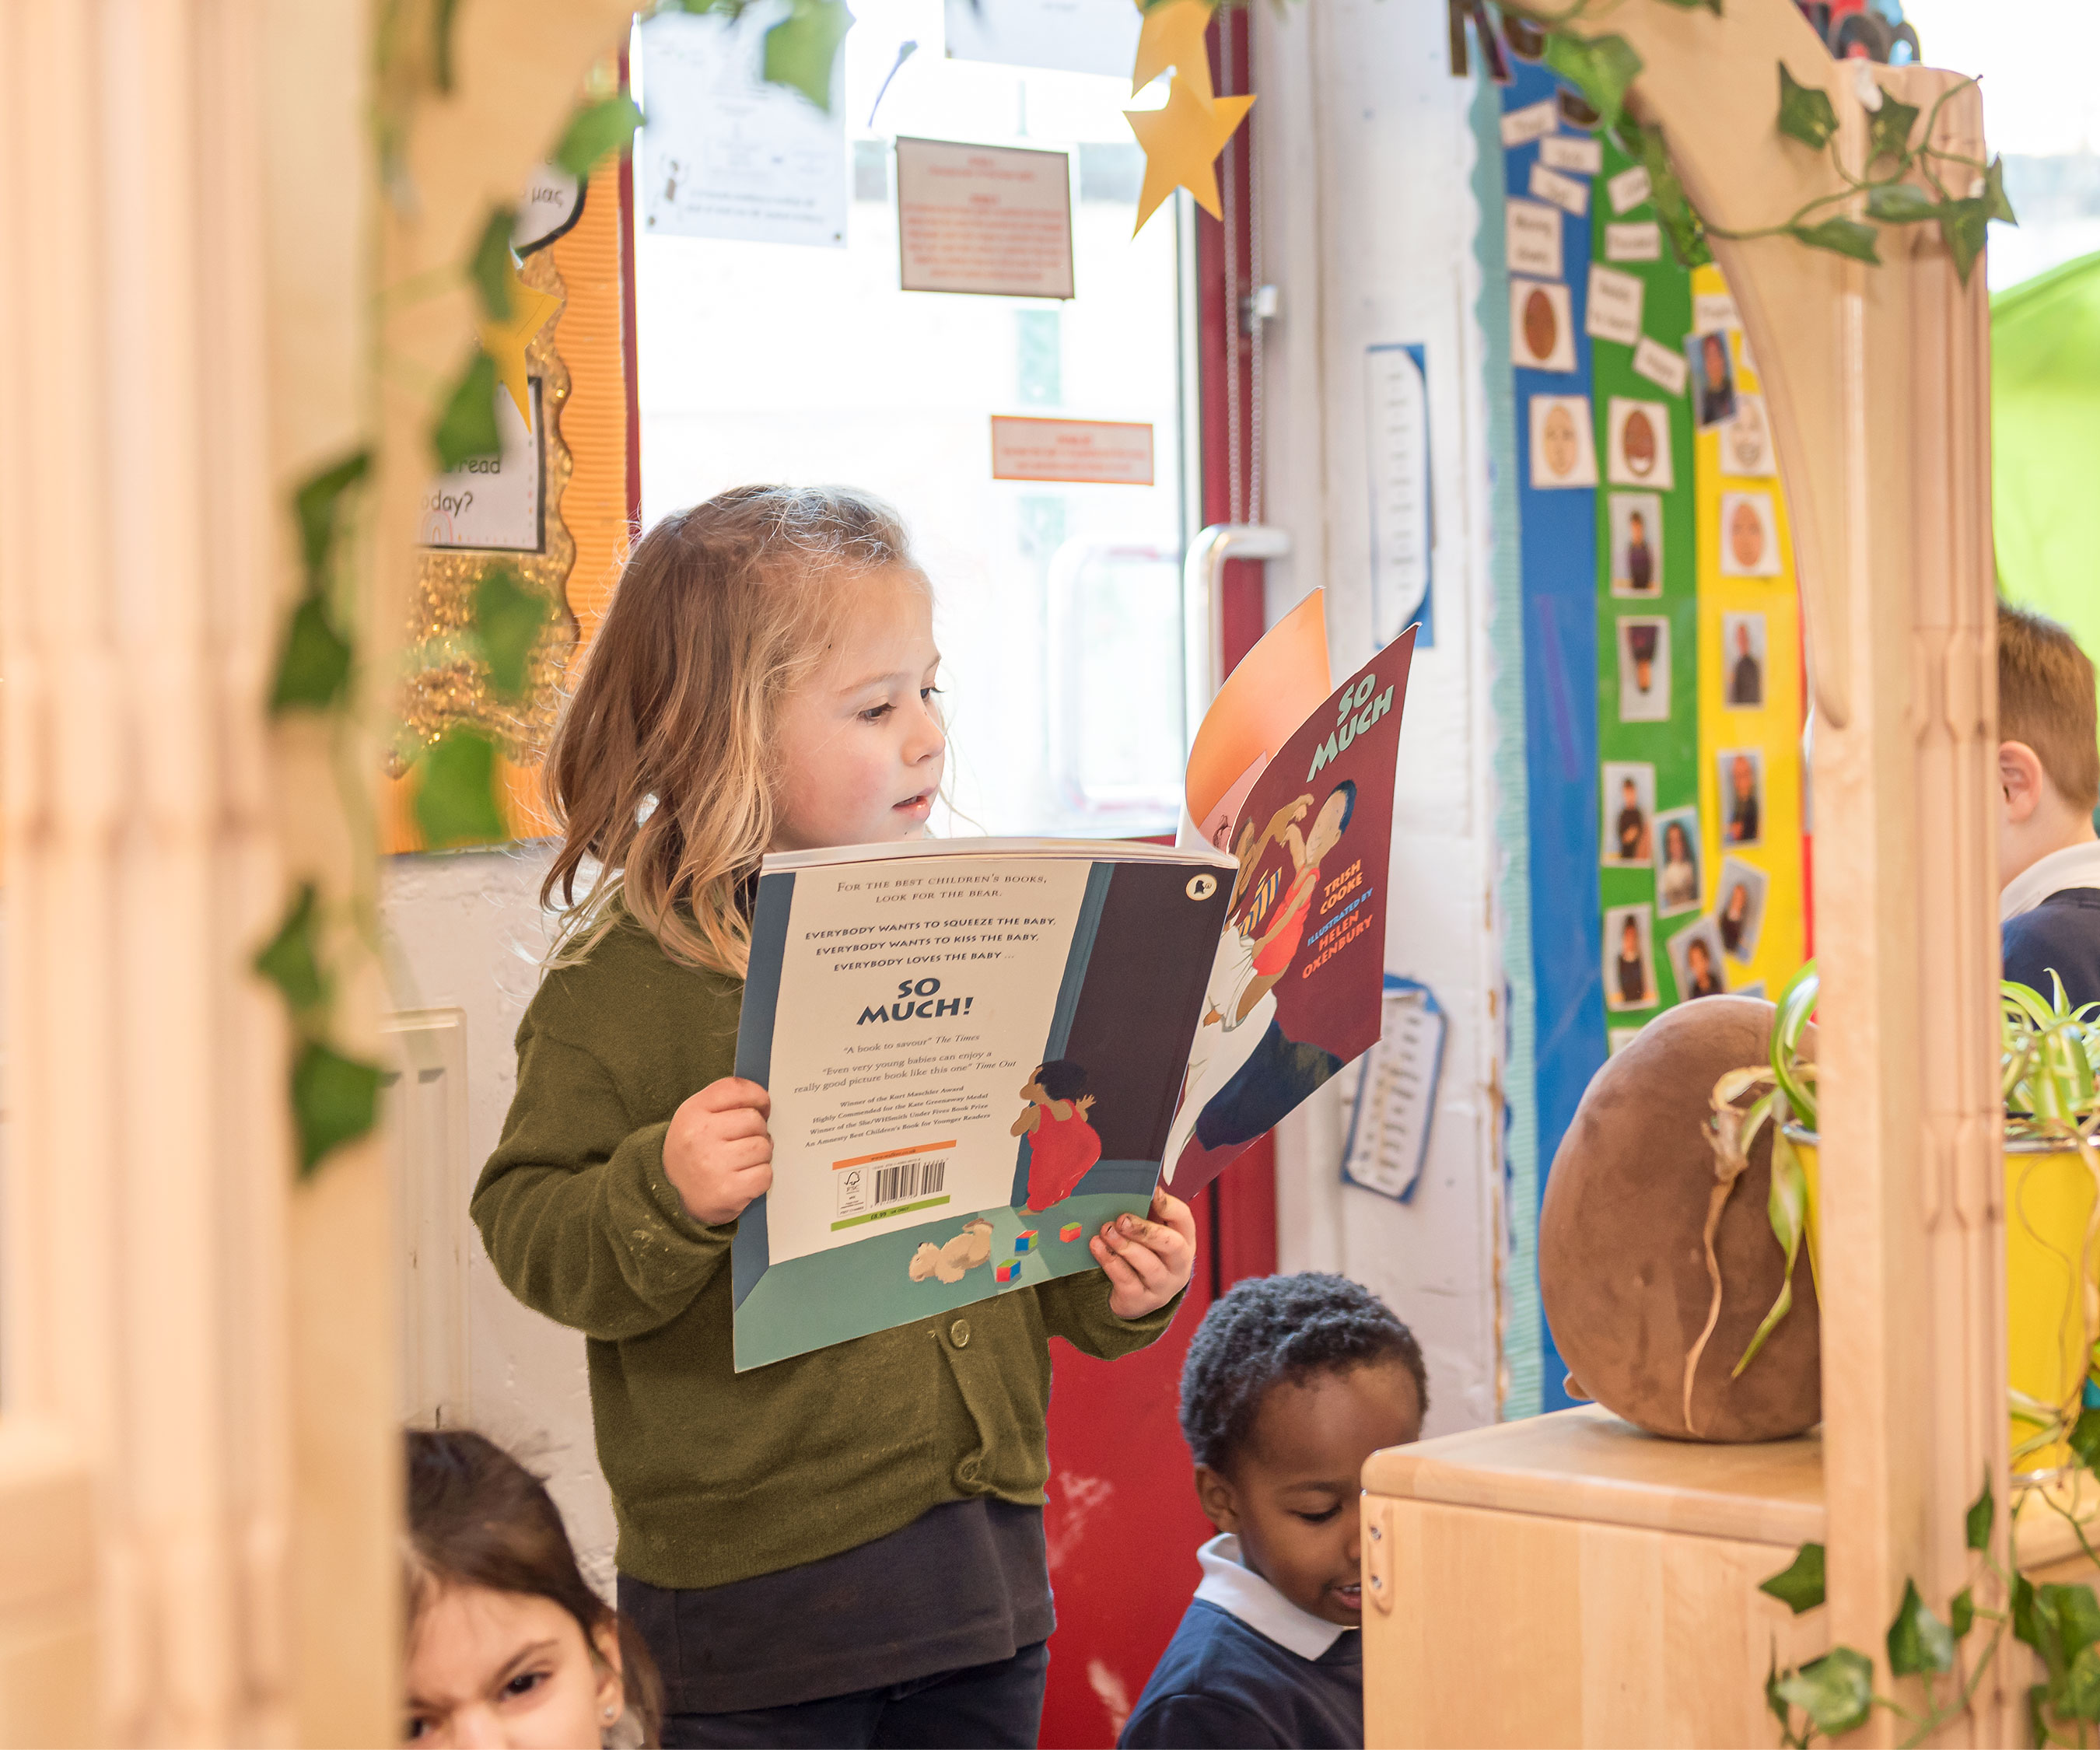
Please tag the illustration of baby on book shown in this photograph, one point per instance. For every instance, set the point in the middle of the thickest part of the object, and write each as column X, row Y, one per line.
column 1061, row 1144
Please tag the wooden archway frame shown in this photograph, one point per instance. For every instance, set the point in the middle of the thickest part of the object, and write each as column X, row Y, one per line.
column 198, row 1448
column 1877, row 379
column 199, row 1459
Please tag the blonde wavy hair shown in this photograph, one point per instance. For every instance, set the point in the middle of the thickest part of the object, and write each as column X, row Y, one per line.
column 660, row 771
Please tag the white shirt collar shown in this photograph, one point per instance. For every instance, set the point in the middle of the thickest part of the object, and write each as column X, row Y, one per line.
column 1238, row 1591
column 2074, row 865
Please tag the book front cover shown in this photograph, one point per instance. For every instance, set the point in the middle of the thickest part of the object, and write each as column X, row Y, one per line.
column 1296, row 985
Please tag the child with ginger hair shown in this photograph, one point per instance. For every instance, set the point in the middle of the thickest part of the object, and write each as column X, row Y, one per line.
column 2048, row 784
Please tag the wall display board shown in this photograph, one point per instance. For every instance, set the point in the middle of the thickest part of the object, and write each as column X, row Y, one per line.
column 1662, row 655
column 551, row 511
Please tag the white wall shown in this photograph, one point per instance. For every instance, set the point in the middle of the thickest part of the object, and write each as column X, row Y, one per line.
column 1368, row 223
column 465, row 931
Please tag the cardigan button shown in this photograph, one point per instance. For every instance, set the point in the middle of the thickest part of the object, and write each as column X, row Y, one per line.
column 959, row 1334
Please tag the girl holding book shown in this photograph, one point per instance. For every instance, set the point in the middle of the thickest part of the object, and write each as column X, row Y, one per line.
column 844, row 1548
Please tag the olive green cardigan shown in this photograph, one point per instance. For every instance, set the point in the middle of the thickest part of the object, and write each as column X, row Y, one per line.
column 717, row 1475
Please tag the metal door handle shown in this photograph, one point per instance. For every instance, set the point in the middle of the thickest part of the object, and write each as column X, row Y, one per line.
column 1203, row 608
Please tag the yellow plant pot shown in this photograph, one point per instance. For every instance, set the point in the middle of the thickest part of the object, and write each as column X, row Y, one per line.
column 2051, row 1296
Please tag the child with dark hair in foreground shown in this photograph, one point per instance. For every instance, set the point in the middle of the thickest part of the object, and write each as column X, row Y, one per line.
column 507, row 1642
column 1291, row 1382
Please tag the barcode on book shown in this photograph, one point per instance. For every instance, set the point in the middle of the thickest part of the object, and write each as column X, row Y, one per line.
column 908, row 1180
column 900, row 1183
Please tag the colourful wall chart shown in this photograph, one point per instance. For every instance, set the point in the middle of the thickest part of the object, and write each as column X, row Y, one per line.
column 1662, row 657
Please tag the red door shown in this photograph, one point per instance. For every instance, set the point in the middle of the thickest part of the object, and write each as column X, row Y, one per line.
column 1123, row 1524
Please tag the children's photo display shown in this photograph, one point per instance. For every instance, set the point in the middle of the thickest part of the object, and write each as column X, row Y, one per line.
column 1629, row 957
column 1636, row 520
column 1743, row 661
column 1644, row 669
column 1739, row 909
column 1676, row 853
column 1742, row 796
column 1694, row 960
column 1629, row 812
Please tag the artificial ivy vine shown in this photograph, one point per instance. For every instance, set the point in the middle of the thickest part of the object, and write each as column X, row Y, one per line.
column 334, row 1095
column 1835, row 1694
column 1604, row 68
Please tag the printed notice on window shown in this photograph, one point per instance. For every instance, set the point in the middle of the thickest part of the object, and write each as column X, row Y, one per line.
column 1075, row 452
column 990, row 219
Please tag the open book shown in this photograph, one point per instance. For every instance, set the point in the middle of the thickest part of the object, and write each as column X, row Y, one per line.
column 979, row 1049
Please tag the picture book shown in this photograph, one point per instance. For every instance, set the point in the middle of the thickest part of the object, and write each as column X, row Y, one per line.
column 979, row 1049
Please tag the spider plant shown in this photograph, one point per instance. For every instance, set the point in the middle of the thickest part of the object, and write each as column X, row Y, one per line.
column 2049, row 1075
column 1775, row 1094
column 2048, row 1055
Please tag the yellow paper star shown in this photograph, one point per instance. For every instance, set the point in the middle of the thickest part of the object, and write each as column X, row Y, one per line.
column 1172, row 36
column 506, row 341
column 1181, row 146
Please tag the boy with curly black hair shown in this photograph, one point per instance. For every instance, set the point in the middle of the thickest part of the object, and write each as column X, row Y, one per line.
column 1291, row 1382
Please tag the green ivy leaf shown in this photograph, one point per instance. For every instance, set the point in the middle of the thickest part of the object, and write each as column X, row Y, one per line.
column 1837, row 1691
column 1773, row 1700
column 466, row 429
column 443, row 14
column 1842, row 236
column 594, row 131
column 1888, row 129
column 802, row 50
column 456, row 801
column 291, row 960
column 1962, row 223
column 1799, row 1586
column 1680, row 223
column 1601, row 67
column 1994, row 193
column 2077, row 1616
column 2037, row 1721
column 508, row 617
column 316, row 503
column 2085, row 1438
column 1961, row 1613
column 1983, row 1513
column 335, row 1099
column 1689, row 6
column 493, row 263
column 2079, row 1695
column 2033, row 1621
column 1900, row 204
column 314, row 666
column 1918, row 1640
column 1805, row 112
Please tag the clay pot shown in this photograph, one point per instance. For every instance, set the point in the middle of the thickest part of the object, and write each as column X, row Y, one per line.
column 1622, row 1261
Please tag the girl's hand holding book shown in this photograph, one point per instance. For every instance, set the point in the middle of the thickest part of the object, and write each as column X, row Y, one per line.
column 1147, row 1263
column 718, row 1154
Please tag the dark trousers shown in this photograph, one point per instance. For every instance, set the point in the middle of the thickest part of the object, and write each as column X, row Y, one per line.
column 994, row 1706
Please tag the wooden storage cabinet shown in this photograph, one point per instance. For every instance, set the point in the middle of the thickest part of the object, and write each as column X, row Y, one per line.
column 1569, row 1580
